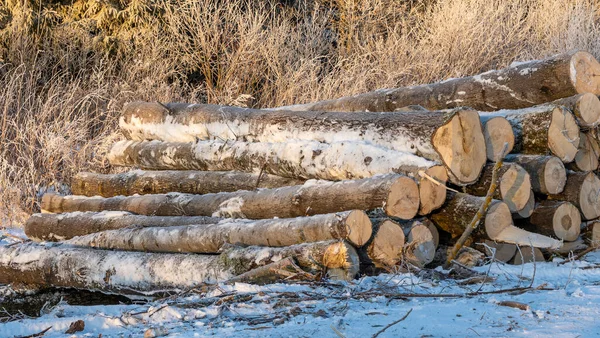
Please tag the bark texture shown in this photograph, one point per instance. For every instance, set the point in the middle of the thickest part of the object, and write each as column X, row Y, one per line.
column 557, row 219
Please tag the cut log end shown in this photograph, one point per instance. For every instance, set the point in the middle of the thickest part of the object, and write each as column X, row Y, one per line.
column 461, row 146
column 358, row 227
column 528, row 255
column 563, row 135
column 589, row 197
column 584, row 73
column 566, row 222
column 342, row 261
column 497, row 219
column 555, row 176
column 420, row 246
column 403, row 199
column 587, row 155
column 386, row 248
column 588, row 110
column 515, row 188
column 528, row 209
column 432, row 195
column 502, row 252
column 498, row 131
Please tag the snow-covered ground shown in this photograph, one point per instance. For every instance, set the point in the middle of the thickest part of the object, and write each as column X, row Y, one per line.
column 565, row 303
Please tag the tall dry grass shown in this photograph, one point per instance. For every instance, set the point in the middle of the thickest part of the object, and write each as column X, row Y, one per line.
column 66, row 70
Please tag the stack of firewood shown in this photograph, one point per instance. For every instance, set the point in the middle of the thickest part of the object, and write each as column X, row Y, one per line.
column 381, row 178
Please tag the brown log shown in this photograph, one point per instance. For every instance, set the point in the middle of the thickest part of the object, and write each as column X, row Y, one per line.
column 162, row 182
column 541, row 130
column 271, row 273
column 398, row 195
column 58, row 227
column 354, row 226
column 420, row 247
column 454, row 138
column 587, row 155
column 386, row 248
column 432, row 195
column 527, row 210
column 497, row 132
column 514, row 185
column 583, row 190
column 502, row 252
column 497, row 225
column 527, row 254
column 548, row 174
column 591, row 233
column 521, row 85
column 557, row 219
column 120, row 271
column 586, row 108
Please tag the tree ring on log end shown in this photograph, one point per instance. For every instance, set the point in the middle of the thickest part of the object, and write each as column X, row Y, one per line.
column 588, row 106
column 589, row 197
column 515, row 188
column 528, row 209
column 498, row 131
column 555, row 176
column 567, row 222
column 584, row 73
column 563, row 135
column 386, row 248
column 432, row 196
column 403, row 198
column 358, row 227
column 497, row 218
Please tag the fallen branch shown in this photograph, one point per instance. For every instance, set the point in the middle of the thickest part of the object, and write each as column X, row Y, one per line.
column 392, row 324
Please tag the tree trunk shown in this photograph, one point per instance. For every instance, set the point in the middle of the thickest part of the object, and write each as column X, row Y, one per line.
column 583, row 190
column 527, row 254
column 557, row 219
column 522, row 85
column 119, row 271
column 162, row 182
column 420, row 246
column 497, row 225
column 502, row 252
column 386, row 248
column 587, row 155
column 454, row 139
column 591, row 233
column 548, row 174
column 528, row 209
column 397, row 195
column 514, row 185
column 586, row 108
column 542, row 129
column 58, row 227
column 497, row 131
column 354, row 226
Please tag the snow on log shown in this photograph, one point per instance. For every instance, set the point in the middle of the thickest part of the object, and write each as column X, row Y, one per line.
column 548, row 174
column 121, row 271
column 521, row 85
column 398, row 195
column 557, row 219
column 514, row 185
column 165, row 181
column 353, row 226
column 496, row 225
column 386, row 248
column 502, row 252
column 583, row 190
column 542, row 129
column 586, row 108
column 454, row 138
column 58, row 227
column 497, row 131
column 587, row 154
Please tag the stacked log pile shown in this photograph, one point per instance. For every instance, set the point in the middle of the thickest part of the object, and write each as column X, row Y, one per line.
column 331, row 188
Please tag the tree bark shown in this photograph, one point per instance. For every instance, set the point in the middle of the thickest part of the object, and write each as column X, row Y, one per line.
column 586, row 158
column 497, row 131
column 583, row 190
column 522, row 85
column 398, row 195
column 354, row 226
column 586, row 108
column 497, row 225
column 386, row 248
column 514, row 185
column 452, row 138
column 502, row 252
column 58, row 227
column 557, row 219
column 527, row 254
column 542, row 129
column 184, row 181
column 548, row 174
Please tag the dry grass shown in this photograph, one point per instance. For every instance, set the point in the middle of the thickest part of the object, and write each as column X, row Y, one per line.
column 66, row 70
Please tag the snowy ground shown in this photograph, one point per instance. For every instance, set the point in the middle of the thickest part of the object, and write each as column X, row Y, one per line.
column 565, row 302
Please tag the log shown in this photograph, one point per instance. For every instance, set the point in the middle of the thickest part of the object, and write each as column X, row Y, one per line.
column 459, row 209
column 527, row 210
column 354, row 226
column 398, row 195
column 432, row 195
column 420, row 246
column 497, row 131
column 137, row 272
column 521, row 85
column 542, row 129
column 557, row 219
column 583, row 190
column 527, row 254
column 58, row 227
column 454, row 138
column 586, row 158
column 586, row 108
column 591, row 233
column 162, row 182
column 568, row 248
column 514, row 185
column 548, row 174
column 502, row 252
column 433, row 229
column 386, row 248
